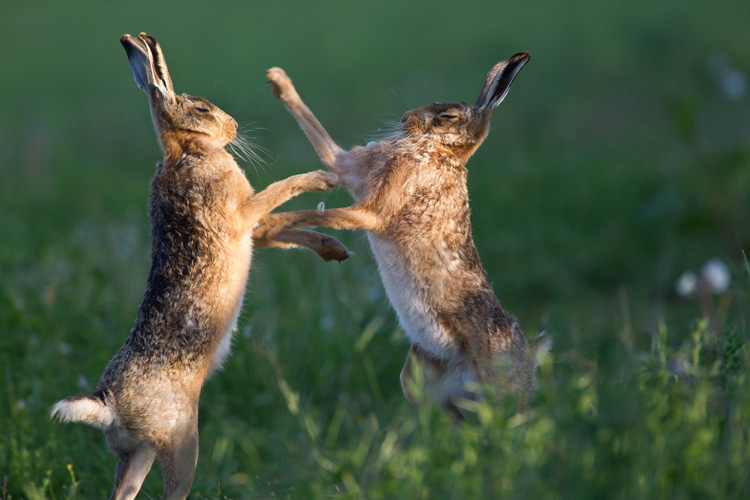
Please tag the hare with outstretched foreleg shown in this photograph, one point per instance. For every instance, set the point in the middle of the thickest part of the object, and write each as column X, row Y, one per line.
column 202, row 211
column 411, row 197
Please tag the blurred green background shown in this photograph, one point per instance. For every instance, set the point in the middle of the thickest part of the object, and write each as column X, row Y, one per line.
column 619, row 160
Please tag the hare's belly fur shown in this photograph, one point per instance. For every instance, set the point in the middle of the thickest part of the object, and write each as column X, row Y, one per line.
column 233, row 291
column 416, row 317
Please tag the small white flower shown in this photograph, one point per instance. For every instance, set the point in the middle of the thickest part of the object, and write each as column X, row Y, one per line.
column 687, row 284
column 716, row 275
column 21, row 404
column 321, row 207
column 64, row 348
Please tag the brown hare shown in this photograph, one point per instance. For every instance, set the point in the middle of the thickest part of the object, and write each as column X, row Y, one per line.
column 202, row 212
column 411, row 197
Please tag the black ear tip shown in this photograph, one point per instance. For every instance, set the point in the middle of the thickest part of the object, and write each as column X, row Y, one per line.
column 150, row 40
column 127, row 40
column 499, row 79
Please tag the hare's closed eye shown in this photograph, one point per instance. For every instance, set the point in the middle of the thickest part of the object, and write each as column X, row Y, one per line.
column 198, row 104
column 449, row 113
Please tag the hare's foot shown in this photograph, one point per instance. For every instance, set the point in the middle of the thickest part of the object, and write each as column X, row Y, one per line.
column 283, row 88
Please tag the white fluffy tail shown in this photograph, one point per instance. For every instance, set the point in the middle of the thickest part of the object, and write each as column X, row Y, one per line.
column 90, row 409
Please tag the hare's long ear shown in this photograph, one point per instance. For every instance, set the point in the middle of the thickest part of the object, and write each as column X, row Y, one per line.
column 149, row 69
column 159, row 63
column 498, row 81
column 139, row 63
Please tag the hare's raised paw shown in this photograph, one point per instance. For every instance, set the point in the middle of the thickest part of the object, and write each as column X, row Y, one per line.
column 281, row 83
column 327, row 247
column 323, row 180
column 331, row 249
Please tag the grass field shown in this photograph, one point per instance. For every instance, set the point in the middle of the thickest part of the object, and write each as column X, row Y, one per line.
column 619, row 160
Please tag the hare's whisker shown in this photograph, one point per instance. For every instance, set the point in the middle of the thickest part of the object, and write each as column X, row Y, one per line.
column 245, row 148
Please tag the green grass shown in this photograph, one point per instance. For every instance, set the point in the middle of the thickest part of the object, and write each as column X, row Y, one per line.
column 615, row 164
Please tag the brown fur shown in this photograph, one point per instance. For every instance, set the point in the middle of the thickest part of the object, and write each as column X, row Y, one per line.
column 411, row 197
column 202, row 211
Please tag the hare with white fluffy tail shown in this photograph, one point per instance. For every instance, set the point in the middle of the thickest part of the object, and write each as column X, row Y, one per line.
column 202, row 212
column 411, row 197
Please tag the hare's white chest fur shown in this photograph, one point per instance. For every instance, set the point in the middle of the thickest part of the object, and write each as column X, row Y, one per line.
column 414, row 314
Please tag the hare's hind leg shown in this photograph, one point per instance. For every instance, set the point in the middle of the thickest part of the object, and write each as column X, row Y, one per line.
column 420, row 372
column 132, row 468
column 178, row 463
column 284, row 90
column 436, row 380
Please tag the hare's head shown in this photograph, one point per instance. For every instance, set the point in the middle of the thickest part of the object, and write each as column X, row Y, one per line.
column 459, row 124
column 183, row 123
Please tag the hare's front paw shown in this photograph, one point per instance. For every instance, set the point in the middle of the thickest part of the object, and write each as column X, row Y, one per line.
column 324, row 180
column 332, row 249
column 281, row 83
